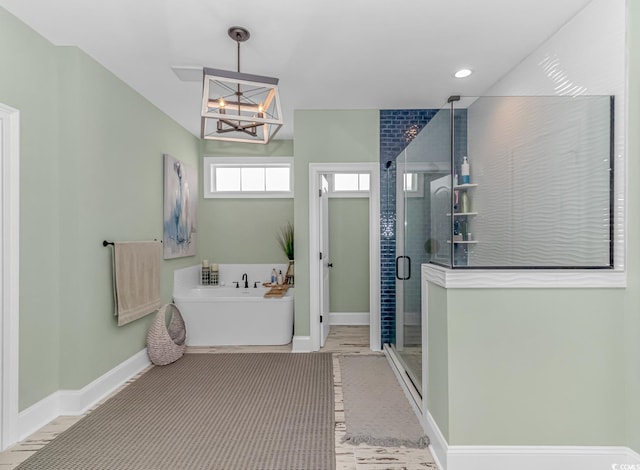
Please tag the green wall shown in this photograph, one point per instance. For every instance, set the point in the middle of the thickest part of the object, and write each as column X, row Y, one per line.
column 321, row 137
column 39, row 201
column 631, row 330
column 243, row 230
column 349, row 243
column 438, row 358
column 535, row 367
column 91, row 169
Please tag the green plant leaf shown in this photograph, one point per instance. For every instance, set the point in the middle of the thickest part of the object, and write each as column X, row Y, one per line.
column 285, row 240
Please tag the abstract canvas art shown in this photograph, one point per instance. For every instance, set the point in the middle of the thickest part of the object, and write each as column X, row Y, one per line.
column 180, row 200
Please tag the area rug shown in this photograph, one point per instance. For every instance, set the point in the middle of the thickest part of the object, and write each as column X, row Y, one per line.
column 208, row 411
column 377, row 412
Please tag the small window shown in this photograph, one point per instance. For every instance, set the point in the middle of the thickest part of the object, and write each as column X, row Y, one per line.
column 350, row 184
column 413, row 184
column 410, row 182
column 245, row 177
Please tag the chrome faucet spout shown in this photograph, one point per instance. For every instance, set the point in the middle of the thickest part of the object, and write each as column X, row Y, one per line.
column 245, row 278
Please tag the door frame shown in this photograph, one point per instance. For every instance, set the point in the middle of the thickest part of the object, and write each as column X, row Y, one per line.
column 325, row 273
column 315, row 265
column 10, row 275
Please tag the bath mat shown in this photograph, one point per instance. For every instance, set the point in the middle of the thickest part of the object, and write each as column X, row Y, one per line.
column 209, row 411
column 376, row 409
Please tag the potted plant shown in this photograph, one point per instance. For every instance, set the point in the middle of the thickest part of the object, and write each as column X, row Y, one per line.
column 285, row 240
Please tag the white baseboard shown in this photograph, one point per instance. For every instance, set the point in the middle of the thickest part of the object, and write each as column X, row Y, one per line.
column 538, row 457
column 77, row 402
column 301, row 344
column 349, row 318
column 527, row 457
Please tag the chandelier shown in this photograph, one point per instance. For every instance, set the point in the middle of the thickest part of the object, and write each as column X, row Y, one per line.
column 239, row 107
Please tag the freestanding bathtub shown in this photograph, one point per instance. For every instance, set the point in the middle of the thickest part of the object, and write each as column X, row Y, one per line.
column 223, row 315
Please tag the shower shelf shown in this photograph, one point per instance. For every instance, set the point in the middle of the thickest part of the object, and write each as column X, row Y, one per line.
column 463, row 242
column 456, row 214
column 464, row 186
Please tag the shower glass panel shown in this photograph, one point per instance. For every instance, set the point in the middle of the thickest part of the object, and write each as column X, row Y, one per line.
column 538, row 194
column 423, row 175
column 540, row 184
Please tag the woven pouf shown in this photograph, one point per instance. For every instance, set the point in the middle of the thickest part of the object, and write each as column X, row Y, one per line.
column 166, row 345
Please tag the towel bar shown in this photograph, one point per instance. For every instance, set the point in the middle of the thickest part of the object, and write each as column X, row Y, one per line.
column 106, row 243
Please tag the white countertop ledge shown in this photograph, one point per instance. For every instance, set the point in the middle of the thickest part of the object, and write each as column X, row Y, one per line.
column 524, row 278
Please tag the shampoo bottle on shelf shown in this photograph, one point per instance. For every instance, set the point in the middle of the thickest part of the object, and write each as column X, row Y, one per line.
column 273, row 276
column 280, row 278
column 466, row 204
column 464, row 171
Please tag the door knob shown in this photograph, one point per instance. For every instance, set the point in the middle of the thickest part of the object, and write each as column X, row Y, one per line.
column 330, row 265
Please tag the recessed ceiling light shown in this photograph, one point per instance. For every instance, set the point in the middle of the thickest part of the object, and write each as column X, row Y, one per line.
column 463, row 73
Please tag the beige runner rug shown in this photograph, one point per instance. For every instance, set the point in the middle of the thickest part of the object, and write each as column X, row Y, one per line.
column 376, row 410
column 209, row 411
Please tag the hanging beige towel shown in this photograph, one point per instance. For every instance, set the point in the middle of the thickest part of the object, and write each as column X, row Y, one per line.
column 136, row 270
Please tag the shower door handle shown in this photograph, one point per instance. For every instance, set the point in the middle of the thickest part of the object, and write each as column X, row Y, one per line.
column 398, row 268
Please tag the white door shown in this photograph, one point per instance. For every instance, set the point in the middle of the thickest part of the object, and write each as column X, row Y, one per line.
column 325, row 260
column 440, row 190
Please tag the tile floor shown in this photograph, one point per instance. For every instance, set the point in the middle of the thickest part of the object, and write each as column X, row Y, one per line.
column 342, row 339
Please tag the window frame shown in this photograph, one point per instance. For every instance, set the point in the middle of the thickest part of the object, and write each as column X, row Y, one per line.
column 211, row 163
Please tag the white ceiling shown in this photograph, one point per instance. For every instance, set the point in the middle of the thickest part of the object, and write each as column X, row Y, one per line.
column 328, row 54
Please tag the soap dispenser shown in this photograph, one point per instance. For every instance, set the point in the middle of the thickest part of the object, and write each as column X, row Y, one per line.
column 464, row 171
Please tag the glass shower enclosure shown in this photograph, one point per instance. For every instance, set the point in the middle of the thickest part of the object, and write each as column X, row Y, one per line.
column 538, row 194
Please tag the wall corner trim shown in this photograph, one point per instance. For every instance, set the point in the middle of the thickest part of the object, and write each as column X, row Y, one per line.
column 77, row 402
column 301, row 344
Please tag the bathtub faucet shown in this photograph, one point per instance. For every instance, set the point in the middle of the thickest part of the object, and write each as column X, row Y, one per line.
column 246, row 280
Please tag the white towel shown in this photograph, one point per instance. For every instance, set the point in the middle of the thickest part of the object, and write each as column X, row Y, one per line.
column 136, row 271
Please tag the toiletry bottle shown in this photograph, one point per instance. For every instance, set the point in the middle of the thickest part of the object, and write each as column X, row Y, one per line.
column 464, row 171
column 273, row 276
column 280, row 278
column 466, row 204
column 214, row 274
